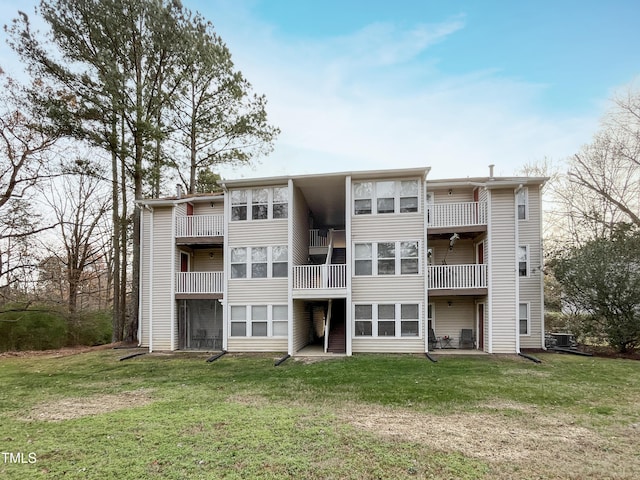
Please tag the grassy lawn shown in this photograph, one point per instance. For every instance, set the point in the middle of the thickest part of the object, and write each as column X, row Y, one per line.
column 160, row 416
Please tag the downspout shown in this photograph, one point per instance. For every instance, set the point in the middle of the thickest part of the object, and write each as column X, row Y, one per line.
column 151, row 279
column 173, row 278
column 517, row 282
column 290, row 267
column 542, row 327
column 226, row 268
column 489, row 320
column 425, row 329
column 349, row 249
column 141, row 269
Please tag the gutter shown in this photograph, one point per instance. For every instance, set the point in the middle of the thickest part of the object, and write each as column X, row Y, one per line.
column 517, row 242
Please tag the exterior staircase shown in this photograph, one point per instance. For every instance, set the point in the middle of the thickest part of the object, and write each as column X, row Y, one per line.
column 337, row 335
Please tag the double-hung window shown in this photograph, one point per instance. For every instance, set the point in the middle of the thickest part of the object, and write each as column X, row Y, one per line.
column 522, row 202
column 387, row 320
column 260, row 262
column 238, row 205
column 523, row 318
column 385, row 196
column 265, row 203
column 362, row 194
column 363, row 259
column 391, row 258
column 259, row 204
column 259, row 320
column 280, row 202
column 279, row 261
column 386, row 258
column 239, row 262
column 523, row 260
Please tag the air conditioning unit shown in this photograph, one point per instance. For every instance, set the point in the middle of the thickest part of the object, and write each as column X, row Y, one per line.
column 564, row 340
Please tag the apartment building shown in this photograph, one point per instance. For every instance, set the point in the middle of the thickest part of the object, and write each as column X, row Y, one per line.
column 370, row 261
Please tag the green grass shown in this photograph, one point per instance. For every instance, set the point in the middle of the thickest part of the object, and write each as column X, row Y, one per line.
column 241, row 417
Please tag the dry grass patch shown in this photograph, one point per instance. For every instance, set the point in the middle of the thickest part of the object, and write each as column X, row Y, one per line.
column 547, row 445
column 70, row 408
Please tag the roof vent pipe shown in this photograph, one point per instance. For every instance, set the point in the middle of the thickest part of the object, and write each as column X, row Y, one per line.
column 491, row 170
column 178, row 191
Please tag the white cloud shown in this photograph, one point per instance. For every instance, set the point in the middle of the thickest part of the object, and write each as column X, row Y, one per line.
column 376, row 99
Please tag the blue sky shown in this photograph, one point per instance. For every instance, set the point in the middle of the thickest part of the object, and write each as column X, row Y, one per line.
column 455, row 85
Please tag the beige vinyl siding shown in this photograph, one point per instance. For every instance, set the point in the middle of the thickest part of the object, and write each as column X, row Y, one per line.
column 257, row 290
column 301, row 324
column 450, row 320
column 388, row 345
column 259, row 344
column 201, row 261
column 205, row 208
column 145, row 277
column 462, row 253
column 181, row 209
column 300, row 218
column 388, row 288
column 163, row 269
column 388, row 227
column 258, row 233
column 458, row 195
column 503, row 271
column 530, row 234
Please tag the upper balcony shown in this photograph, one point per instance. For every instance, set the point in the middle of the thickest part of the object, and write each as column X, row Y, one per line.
column 199, row 229
column 318, row 281
column 457, row 217
column 199, row 285
column 444, row 280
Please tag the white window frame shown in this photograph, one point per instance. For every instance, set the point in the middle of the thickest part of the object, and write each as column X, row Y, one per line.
column 249, row 262
column 248, row 203
column 249, row 320
column 398, row 258
column 527, row 261
column 245, row 263
column 397, row 320
column 397, row 196
column 528, row 319
column 522, row 199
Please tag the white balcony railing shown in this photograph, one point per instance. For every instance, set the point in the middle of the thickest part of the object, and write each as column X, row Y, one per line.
column 457, row 214
column 320, row 276
column 318, row 238
column 456, row 276
column 200, row 282
column 200, row 226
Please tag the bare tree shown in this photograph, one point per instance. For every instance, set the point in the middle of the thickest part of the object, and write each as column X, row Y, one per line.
column 79, row 204
column 605, row 174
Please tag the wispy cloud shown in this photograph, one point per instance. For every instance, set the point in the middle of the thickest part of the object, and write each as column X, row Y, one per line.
column 376, row 98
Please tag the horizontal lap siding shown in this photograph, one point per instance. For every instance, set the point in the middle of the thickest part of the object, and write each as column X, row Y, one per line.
column 163, row 297
column 203, row 208
column 450, row 320
column 300, row 240
column 380, row 228
column 301, row 325
column 458, row 195
column 503, row 270
column 462, row 253
column 387, row 345
column 146, row 277
column 391, row 288
column 259, row 344
column 201, row 261
column 244, row 291
column 258, row 233
column 530, row 234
